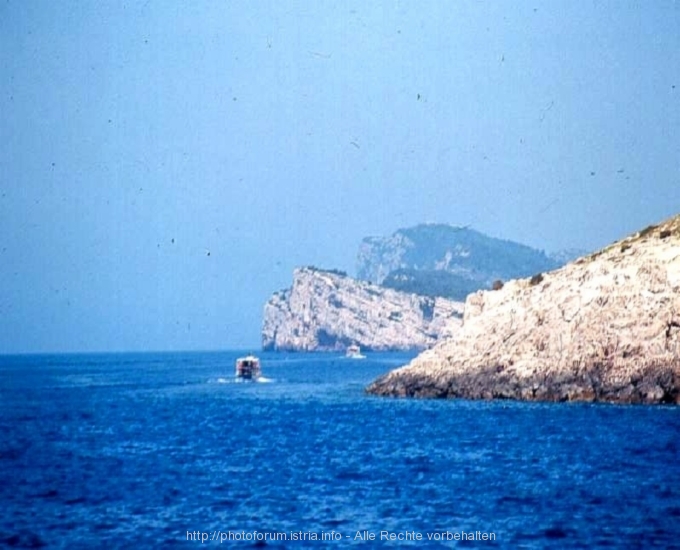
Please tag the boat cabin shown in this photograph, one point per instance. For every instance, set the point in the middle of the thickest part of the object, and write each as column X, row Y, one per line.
column 354, row 352
column 248, row 368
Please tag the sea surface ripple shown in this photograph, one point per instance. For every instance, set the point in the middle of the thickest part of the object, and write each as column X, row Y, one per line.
column 146, row 450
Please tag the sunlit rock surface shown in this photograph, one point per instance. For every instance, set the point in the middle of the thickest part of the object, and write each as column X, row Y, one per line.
column 605, row 327
column 326, row 310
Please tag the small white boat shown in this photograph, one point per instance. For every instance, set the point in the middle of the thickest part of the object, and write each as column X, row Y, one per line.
column 248, row 368
column 354, row 352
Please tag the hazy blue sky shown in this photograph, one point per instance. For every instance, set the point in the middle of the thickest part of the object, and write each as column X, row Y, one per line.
column 165, row 165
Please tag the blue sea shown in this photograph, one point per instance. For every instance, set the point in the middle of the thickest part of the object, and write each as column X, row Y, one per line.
column 167, row 450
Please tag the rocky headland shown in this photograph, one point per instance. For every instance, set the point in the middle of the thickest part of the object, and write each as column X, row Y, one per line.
column 444, row 260
column 605, row 327
column 326, row 310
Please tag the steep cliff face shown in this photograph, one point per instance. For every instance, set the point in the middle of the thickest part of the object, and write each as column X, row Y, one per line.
column 325, row 310
column 442, row 260
column 603, row 328
column 378, row 256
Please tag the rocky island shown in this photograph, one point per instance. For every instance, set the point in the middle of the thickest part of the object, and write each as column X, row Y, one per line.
column 605, row 327
column 325, row 310
column 435, row 259
column 408, row 293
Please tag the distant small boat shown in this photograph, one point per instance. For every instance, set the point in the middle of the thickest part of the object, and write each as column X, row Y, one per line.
column 354, row 352
column 248, row 368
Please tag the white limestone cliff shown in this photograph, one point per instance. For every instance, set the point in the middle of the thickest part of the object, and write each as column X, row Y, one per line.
column 326, row 310
column 605, row 327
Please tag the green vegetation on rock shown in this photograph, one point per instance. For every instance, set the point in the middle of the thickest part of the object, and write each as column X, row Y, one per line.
column 442, row 260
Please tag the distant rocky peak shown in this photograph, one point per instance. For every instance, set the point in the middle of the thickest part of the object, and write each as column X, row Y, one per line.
column 378, row 256
column 436, row 259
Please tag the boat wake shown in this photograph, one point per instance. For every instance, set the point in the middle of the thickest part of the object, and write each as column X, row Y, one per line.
column 236, row 380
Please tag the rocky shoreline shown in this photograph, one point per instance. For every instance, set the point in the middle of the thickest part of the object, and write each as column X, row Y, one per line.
column 605, row 328
column 597, row 383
